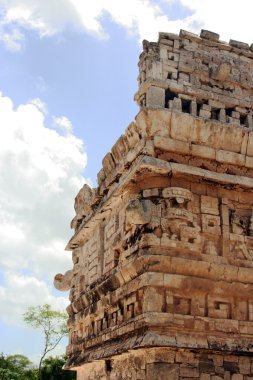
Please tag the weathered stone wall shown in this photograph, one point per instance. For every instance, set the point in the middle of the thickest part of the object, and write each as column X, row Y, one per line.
column 162, row 278
column 179, row 258
column 164, row 363
column 200, row 75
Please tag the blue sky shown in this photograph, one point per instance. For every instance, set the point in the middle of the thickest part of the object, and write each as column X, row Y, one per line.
column 67, row 80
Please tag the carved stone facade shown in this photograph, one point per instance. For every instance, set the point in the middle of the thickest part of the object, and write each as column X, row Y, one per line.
column 162, row 279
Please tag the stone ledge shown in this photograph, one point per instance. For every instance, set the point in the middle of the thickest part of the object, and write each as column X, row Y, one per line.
column 161, row 167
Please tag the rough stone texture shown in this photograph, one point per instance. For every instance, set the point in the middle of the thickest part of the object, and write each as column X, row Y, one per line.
column 162, row 279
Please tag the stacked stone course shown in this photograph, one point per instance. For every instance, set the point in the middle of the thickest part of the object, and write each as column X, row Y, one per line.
column 162, row 278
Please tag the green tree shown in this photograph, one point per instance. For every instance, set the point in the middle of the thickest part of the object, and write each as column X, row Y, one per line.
column 52, row 369
column 53, row 325
column 18, row 367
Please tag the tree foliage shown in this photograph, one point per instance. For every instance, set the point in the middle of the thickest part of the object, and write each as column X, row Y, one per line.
column 52, row 369
column 16, row 367
column 52, row 323
column 19, row 367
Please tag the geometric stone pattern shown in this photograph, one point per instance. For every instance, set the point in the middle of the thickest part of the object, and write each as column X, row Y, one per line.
column 162, row 278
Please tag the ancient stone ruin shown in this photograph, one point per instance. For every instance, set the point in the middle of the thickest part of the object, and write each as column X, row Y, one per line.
column 162, row 279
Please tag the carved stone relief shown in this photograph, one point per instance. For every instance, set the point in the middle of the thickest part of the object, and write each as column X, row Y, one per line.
column 83, row 202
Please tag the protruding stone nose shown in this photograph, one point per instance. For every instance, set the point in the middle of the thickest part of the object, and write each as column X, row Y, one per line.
column 62, row 282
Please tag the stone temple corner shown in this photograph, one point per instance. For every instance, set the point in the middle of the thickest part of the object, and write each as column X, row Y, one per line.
column 162, row 279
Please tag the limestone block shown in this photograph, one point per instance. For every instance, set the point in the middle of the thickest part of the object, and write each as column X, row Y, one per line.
column 198, row 306
column 100, row 176
column 138, row 212
column 171, row 145
column 176, row 44
column 189, row 371
column 227, row 326
column 233, row 120
column 178, row 305
column 211, row 224
column 173, row 56
column 111, row 227
column 244, row 365
column 230, row 157
column 161, row 355
column 190, row 234
column 164, row 51
column 93, row 253
column 152, row 300
column 119, row 149
column 205, row 376
column 156, row 70
column 250, row 145
column 175, row 104
column 168, row 36
column 161, row 371
column 215, row 104
column 249, row 121
column 216, row 135
column 108, row 164
column 150, row 193
column 222, row 116
column 133, row 153
column 132, row 135
column 239, row 45
column 250, row 310
column 221, row 72
column 203, row 151
column 165, row 41
column 176, row 87
column 245, row 328
column 219, row 308
column 244, row 143
column 209, row 205
column 205, row 114
column 193, row 108
column 184, row 77
column 237, row 376
column 155, row 97
column 209, row 35
column 181, row 126
column 249, row 162
column 152, row 122
column 190, row 35
column 187, row 65
column 245, row 275
column 186, row 357
column 149, row 148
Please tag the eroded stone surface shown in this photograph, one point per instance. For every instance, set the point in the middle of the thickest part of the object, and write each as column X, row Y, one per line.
column 162, row 278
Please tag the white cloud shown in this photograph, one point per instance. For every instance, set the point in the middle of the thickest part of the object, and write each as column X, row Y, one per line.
column 13, row 39
column 45, row 17
column 64, row 123
column 39, row 104
column 40, row 174
column 21, row 292
column 228, row 18
column 141, row 18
